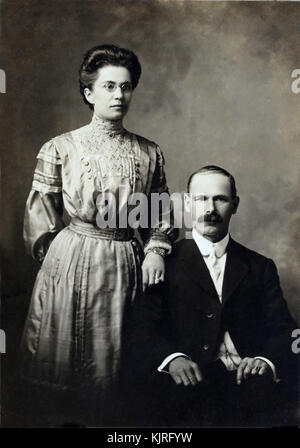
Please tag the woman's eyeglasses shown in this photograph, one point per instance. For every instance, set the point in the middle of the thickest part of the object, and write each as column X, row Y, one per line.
column 111, row 86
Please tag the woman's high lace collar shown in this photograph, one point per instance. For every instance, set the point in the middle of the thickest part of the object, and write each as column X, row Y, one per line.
column 110, row 127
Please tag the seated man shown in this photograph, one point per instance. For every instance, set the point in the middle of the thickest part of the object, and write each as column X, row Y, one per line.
column 215, row 337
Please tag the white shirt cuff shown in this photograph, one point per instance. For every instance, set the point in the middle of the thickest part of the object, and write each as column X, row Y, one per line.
column 271, row 365
column 168, row 359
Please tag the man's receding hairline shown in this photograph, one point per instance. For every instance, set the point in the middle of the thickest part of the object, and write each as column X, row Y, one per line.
column 214, row 169
column 209, row 172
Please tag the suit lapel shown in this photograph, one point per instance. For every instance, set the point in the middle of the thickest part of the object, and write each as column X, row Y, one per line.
column 193, row 264
column 235, row 270
column 195, row 267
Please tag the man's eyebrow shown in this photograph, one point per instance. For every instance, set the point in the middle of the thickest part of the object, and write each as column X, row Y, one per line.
column 199, row 195
column 221, row 196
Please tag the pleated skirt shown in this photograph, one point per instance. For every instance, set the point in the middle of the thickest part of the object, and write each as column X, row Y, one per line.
column 74, row 331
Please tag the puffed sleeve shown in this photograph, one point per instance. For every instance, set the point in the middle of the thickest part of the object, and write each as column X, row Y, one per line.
column 161, row 233
column 44, row 206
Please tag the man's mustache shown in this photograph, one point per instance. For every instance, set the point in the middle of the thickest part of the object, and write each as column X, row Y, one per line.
column 211, row 217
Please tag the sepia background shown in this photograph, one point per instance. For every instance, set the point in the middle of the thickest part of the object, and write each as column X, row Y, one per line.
column 215, row 89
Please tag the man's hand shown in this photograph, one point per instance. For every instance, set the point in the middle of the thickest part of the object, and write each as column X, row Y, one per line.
column 153, row 269
column 250, row 366
column 184, row 371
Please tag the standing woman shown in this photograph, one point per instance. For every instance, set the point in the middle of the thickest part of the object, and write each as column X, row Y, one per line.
column 89, row 276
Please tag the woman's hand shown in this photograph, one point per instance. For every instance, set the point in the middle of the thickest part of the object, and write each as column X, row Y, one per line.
column 153, row 269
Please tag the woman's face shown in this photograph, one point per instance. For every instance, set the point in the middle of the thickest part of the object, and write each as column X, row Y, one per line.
column 111, row 92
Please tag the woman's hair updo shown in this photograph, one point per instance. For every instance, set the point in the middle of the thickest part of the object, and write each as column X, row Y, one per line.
column 102, row 55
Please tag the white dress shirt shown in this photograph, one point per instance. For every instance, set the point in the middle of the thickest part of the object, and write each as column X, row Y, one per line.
column 227, row 351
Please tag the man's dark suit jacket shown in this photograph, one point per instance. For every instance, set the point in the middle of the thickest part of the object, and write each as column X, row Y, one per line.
column 184, row 313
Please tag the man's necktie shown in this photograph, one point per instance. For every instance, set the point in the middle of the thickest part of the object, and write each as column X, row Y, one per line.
column 214, row 262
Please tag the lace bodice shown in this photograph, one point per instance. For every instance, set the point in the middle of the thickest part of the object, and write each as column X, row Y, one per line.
column 73, row 169
column 110, row 149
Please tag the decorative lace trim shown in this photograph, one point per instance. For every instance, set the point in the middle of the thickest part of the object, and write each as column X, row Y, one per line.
column 102, row 126
column 110, row 147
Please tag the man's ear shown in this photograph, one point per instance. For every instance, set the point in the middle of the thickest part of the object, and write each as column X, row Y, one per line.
column 187, row 202
column 236, row 202
column 89, row 95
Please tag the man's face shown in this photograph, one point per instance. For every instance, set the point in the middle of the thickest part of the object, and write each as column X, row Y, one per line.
column 211, row 204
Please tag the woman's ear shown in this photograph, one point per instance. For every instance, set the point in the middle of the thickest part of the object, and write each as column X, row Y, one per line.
column 89, row 95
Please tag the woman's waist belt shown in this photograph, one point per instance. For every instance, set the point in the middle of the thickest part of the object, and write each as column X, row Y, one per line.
column 88, row 229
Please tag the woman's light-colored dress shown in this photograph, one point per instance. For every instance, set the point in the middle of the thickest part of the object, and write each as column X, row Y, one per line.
column 89, row 276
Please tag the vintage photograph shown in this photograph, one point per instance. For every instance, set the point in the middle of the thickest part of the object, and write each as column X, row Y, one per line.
column 150, row 214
